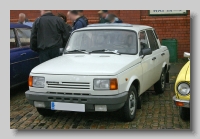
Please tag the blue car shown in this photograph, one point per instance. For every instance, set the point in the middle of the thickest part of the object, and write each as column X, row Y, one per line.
column 22, row 58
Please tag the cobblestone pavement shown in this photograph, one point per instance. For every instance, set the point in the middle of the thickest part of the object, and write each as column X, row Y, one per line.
column 158, row 112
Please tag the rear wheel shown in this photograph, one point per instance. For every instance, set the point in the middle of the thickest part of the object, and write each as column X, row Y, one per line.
column 167, row 77
column 184, row 113
column 45, row 112
column 159, row 86
column 128, row 111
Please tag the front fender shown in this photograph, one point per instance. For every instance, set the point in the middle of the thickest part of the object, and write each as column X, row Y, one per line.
column 131, row 80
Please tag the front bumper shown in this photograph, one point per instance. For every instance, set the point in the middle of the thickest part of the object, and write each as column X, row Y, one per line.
column 181, row 103
column 113, row 103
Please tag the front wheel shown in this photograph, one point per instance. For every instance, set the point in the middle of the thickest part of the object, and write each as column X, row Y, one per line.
column 128, row 111
column 184, row 113
column 159, row 86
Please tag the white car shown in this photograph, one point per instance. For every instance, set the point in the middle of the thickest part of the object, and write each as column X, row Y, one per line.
column 104, row 67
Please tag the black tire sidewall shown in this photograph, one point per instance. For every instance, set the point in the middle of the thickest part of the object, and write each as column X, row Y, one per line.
column 158, row 85
column 125, row 111
column 184, row 113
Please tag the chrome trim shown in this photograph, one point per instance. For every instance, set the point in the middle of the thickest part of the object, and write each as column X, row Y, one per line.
column 185, row 102
column 23, row 60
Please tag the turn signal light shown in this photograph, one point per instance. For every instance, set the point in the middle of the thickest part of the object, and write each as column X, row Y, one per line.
column 113, row 84
column 179, row 104
column 30, row 81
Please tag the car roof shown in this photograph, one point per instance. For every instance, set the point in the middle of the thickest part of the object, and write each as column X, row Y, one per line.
column 117, row 26
column 17, row 25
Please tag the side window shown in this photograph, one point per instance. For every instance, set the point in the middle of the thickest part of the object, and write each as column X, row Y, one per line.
column 143, row 40
column 24, row 36
column 13, row 43
column 152, row 40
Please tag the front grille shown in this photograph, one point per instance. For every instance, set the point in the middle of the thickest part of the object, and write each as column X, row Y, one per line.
column 68, row 85
column 68, row 99
column 61, row 93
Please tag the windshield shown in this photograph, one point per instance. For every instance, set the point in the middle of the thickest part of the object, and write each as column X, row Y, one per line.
column 114, row 40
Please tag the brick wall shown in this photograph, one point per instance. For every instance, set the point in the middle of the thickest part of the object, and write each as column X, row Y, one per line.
column 177, row 27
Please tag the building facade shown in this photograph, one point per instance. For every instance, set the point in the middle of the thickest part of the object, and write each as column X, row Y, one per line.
column 167, row 26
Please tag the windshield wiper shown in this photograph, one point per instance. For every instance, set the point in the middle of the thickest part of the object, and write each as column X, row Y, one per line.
column 76, row 50
column 106, row 51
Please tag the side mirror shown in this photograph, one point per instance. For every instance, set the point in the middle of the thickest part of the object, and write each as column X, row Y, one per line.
column 146, row 51
column 186, row 54
column 61, row 51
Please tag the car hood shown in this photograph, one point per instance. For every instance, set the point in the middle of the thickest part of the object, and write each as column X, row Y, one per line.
column 87, row 64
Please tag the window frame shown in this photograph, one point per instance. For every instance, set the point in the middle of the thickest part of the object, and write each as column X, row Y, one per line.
column 16, row 39
column 154, row 48
column 101, row 30
column 145, row 35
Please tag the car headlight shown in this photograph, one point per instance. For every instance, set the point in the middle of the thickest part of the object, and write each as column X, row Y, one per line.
column 183, row 88
column 105, row 84
column 36, row 81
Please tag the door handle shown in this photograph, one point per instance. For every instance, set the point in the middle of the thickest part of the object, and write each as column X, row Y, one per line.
column 23, row 54
column 162, row 54
column 154, row 58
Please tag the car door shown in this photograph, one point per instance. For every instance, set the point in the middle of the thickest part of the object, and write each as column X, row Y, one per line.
column 16, row 65
column 147, row 62
column 30, row 58
column 156, row 55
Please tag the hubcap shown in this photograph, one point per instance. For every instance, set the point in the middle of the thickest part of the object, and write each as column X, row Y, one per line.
column 132, row 101
column 163, row 80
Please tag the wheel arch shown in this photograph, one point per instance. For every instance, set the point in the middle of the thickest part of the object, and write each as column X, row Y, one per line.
column 134, row 81
column 164, row 66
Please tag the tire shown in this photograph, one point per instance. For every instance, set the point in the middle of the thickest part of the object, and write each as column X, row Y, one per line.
column 45, row 112
column 128, row 111
column 184, row 113
column 167, row 77
column 159, row 86
column 139, row 102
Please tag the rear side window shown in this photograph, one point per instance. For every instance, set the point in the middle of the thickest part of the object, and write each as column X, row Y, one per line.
column 13, row 43
column 152, row 40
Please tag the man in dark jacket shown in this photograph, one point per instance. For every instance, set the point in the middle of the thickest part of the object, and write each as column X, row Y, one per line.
column 78, row 21
column 49, row 34
column 65, row 20
column 82, row 15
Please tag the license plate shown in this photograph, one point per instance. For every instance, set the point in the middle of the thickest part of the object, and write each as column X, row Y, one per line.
column 68, row 106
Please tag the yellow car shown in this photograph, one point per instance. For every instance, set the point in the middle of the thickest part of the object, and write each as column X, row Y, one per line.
column 182, row 90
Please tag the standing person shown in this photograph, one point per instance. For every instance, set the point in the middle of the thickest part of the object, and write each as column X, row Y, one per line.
column 113, row 19
column 78, row 21
column 82, row 15
column 49, row 34
column 65, row 20
column 103, row 16
column 22, row 18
